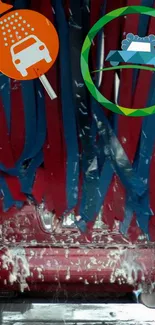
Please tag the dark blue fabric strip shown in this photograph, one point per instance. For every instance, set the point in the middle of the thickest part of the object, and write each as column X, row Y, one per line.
column 5, row 95
column 145, row 150
column 128, row 215
column 95, row 195
column 116, row 154
column 142, row 167
column 21, row 4
column 27, row 180
column 114, row 163
column 35, row 123
column 105, row 168
column 79, row 25
column 40, row 119
column 28, row 94
column 107, row 171
column 110, row 167
column 98, row 64
column 144, row 19
column 100, row 46
column 142, row 31
column 29, row 175
column 68, row 107
column 35, row 128
column 104, row 184
column 8, row 200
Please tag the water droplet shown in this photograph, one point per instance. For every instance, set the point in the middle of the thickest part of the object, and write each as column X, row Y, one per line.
column 9, row 18
column 24, row 21
column 5, row 20
column 14, row 27
column 4, row 33
column 19, row 25
column 20, row 17
column 28, row 25
column 124, row 140
column 16, row 20
column 16, row 13
column 7, row 25
column 5, row 38
column 6, row 44
column 12, row 16
column 12, row 41
column 32, row 29
column 11, row 23
column 1, row 22
column 26, row 33
column 3, row 27
column 11, row 36
column 9, row 30
column 17, row 33
column 23, row 28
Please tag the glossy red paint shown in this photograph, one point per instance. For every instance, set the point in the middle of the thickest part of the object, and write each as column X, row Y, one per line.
column 31, row 258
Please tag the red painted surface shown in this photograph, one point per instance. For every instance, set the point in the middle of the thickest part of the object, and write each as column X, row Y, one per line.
column 31, row 259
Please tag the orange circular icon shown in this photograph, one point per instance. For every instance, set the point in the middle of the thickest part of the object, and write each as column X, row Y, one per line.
column 29, row 44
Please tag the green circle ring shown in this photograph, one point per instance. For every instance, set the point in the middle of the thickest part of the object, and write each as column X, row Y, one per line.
column 85, row 58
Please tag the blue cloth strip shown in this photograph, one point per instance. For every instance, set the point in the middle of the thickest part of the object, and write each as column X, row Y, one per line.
column 94, row 201
column 35, row 129
column 106, row 171
column 128, row 215
column 128, row 177
column 146, row 149
column 29, row 175
column 8, row 201
column 144, row 153
column 116, row 154
column 144, row 19
column 68, row 107
column 142, row 32
column 28, row 94
column 35, row 124
column 5, row 94
column 21, row 4
column 131, row 181
column 100, row 46
column 78, row 29
column 40, row 136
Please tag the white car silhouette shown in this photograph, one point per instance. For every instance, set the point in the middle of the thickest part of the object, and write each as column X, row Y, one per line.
column 28, row 52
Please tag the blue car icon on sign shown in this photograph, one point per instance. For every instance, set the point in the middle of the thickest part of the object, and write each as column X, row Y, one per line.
column 135, row 50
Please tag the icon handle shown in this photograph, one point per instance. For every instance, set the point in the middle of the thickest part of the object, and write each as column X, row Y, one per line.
column 48, row 87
